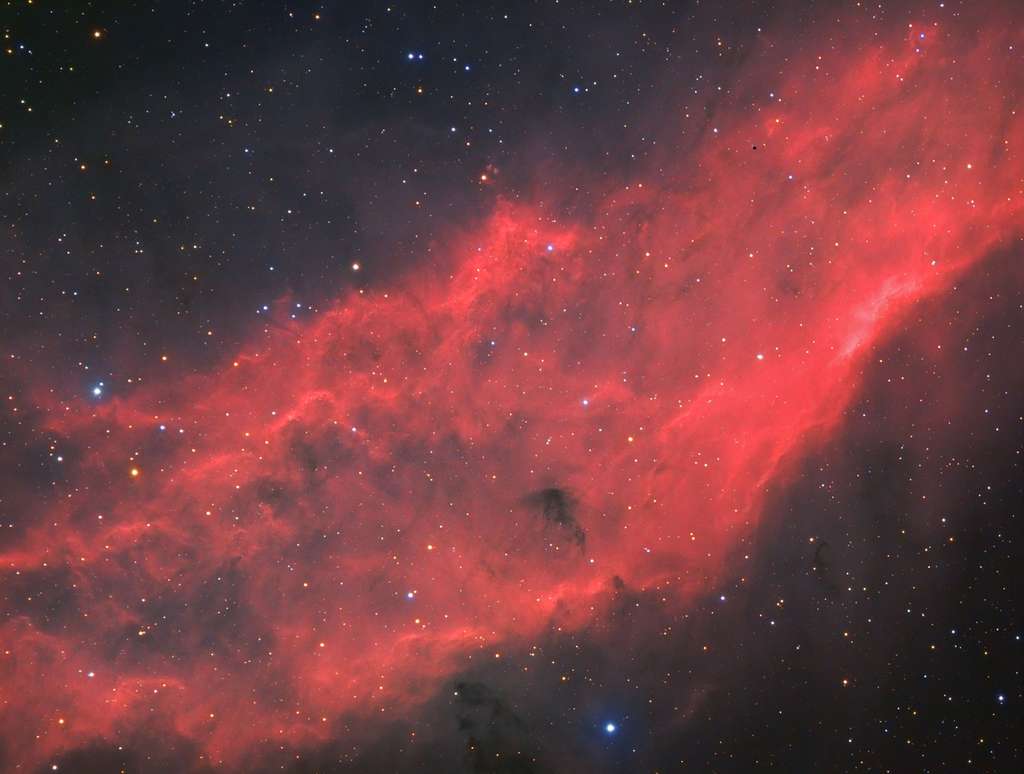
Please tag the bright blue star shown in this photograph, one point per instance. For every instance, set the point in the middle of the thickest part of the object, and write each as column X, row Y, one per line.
column 610, row 728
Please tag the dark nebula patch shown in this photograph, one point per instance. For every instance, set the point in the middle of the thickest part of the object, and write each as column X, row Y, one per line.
column 558, row 507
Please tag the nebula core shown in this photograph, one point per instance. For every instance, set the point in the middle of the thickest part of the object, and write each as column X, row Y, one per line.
column 590, row 394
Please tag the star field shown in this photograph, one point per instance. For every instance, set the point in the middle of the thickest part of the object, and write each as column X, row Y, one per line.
column 541, row 387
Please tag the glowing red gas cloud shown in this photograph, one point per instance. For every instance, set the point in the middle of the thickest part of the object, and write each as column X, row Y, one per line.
column 357, row 506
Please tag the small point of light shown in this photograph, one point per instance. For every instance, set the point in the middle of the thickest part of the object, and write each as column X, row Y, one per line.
column 97, row 390
column 610, row 728
column 760, row 356
column 410, row 595
column 355, row 266
column 585, row 402
column 134, row 472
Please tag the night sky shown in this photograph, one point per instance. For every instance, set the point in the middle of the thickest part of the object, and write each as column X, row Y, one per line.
column 511, row 387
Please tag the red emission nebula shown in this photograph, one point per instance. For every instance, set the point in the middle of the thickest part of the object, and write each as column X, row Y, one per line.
column 355, row 507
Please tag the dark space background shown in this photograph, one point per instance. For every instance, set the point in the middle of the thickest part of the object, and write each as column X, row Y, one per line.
column 180, row 176
column 306, row 141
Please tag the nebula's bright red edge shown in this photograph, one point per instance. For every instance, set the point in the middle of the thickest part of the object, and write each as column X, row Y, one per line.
column 359, row 493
